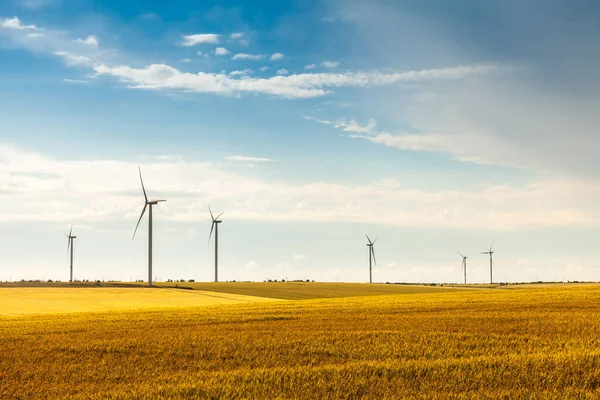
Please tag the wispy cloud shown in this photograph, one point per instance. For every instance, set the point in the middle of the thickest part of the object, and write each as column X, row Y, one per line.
column 221, row 51
column 320, row 121
column 90, row 41
column 276, row 56
column 244, row 56
column 99, row 191
column 192, row 40
column 249, row 159
column 165, row 77
column 282, row 71
column 310, row 66
column 242, row 72
column 73, row 59
column 329, row 64
column 160, row 77
column 15, row 23
column 79, row 81
column 237, row 35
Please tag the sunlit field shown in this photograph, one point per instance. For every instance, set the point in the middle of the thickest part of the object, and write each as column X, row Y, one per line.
column 22, row 301
column 521, row 343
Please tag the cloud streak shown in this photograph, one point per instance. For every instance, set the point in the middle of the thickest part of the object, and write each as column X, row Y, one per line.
column 101, row 191
column 165, row 77
column 193, row 40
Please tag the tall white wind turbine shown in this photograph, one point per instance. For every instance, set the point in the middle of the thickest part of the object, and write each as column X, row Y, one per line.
column 147, row 204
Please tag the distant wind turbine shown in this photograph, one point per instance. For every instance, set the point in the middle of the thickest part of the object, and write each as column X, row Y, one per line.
column 70, row 238
column 215, row 226
column 371, row 256
column 464, row 265
column 490, row 252
column 148, row 204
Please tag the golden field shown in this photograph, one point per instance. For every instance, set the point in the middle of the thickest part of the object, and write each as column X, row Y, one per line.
column 521, row 343
column 25, row 301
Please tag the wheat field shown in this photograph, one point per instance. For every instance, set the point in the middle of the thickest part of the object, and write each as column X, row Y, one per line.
column 522, row 343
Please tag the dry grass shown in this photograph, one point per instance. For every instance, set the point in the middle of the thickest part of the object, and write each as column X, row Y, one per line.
column 531, row 343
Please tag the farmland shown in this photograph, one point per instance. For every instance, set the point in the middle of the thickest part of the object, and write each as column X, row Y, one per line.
column 526, row 342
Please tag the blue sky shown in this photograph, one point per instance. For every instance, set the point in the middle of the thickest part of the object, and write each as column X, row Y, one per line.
column 436, row 125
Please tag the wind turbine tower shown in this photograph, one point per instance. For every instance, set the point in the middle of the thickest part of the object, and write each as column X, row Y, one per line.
column 70, row 238
column 490, row 252
column 148, row 204
column 464, row 265
column 372, row 259
column 215, row 226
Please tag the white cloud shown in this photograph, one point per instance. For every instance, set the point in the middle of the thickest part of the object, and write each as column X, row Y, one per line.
column 299, row 257
column 221, row 51
column 282, row 71
column 90, row 41
column 102, row 191
column 186, row 60
column 34, row 35
column 306, row 85
column 75, row 81
column 73, row 59
column 199, row 53
column 244, row 56
column 320, row 121
column 249, row 159
column 15, row 23
column 310, row 66
column 277, row 56
column 353, row 126
column 329, row 64
column 263, row 69
column 243, row 72
column 161, row 76
column 192, row 40
column 237, row 35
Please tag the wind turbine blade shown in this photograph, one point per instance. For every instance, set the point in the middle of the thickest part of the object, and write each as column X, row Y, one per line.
column 212, row 227
column 375, row 239
column 369, row 239
column 211, row 213
column 485, row 252
column 68, row 244
column 71, row 230
column 219, row 216
column 139, row 220
column 373, row 252
column 492, row 246
column 143, row 188
column 460, row 253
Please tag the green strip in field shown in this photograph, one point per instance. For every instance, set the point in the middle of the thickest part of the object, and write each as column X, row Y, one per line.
column 25, row 301
column 312, row 290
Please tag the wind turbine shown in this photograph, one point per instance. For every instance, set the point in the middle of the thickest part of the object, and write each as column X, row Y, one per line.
column 371, row 257
column 215, row 225
column 464, row 265
column 148, row 204
column 70, row 238
column 490, row 252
